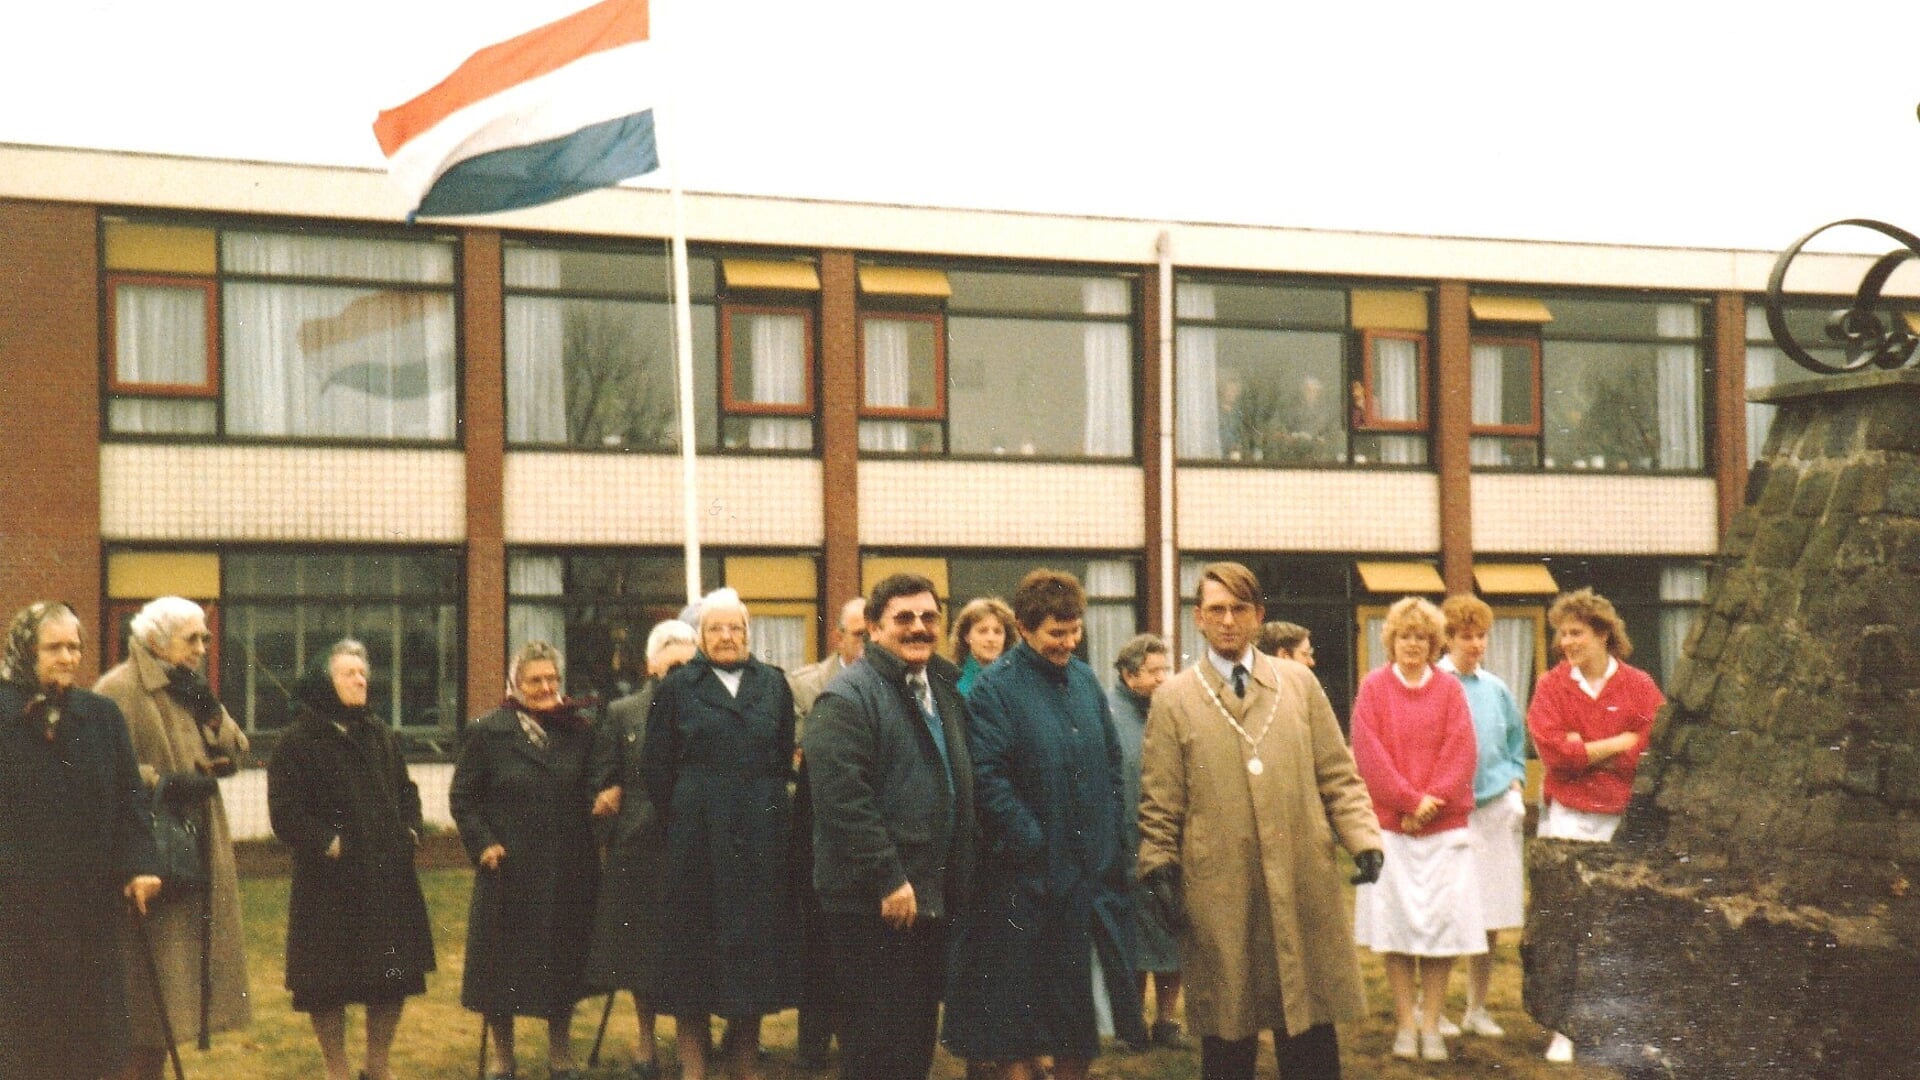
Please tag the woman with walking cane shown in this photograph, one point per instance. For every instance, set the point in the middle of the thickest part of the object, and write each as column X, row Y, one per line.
column 523, row 796
column 75, row 824
column 184, row 742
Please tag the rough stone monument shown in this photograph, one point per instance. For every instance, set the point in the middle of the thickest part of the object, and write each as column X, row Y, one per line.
column 1756, row 918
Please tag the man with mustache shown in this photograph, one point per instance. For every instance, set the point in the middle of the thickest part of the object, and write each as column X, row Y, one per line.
column 892, row 789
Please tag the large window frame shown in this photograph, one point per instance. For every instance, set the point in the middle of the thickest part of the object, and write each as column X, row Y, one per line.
column 937, row 411
column 209, row 386
column 1366, row 413
column 730, row 402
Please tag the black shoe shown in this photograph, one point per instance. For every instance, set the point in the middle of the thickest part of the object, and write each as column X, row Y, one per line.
column 1167, row 1035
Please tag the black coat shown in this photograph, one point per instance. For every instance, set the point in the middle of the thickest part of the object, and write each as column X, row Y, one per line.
column 719, row 766
column 357, row 927
column 626, row 919
column 885, row 810
column 531, row 920
column 74, row 829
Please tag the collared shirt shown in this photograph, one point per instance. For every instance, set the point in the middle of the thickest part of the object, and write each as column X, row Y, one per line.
column 1224, row 665
column 1592, row 690
column 1426, row 672
column 730, row 679
column 930, row 714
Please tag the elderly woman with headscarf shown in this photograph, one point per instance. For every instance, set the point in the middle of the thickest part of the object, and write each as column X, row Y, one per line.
column 626, row 935
column 357, row 929
column 523, row 796
column 74, row 827
column 718, row 757
column 184, row 740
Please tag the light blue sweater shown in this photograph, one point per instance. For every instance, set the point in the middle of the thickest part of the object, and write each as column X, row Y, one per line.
column 1498, row 729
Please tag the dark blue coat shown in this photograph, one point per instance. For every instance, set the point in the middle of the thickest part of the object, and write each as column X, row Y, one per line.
column 74, row 830
column 717, row 767
column 1054, row 869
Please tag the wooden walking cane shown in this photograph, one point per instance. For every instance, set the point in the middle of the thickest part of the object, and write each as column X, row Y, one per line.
column 159, row 996
column 593, row 1058
column 206, row 925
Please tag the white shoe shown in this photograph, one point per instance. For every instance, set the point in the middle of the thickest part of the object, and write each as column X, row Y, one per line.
column 1446, row 1028
column 1433, row 1047
column 1406, row 1044
column 1560, row 1050
column 1477, row 1021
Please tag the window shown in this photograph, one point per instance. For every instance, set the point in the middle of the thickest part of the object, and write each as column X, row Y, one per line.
column 598, row 607
column 1618, row 384
column 282, row 611
column 1299, row 375
column 255, row 333
column 993, row 363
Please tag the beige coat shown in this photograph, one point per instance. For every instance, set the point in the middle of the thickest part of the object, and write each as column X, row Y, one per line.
column 807, row 683
column 166, row 740
column 1241, row 839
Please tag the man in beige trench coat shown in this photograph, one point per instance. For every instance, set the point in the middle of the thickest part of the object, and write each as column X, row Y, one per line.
column 1247, row 786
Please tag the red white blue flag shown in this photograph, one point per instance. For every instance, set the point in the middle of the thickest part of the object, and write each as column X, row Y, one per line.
column 559, row 110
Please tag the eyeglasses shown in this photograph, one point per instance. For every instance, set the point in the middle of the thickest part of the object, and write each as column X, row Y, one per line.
column 201, row 638
column 1227, row 611
column 905, row 619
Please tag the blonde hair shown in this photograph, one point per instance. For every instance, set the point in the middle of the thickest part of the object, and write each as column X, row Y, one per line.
column 1597, row 612
column 1416, row 615
column 1466, row 613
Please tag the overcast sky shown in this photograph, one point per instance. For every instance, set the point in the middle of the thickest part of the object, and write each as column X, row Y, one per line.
column 1676, row 123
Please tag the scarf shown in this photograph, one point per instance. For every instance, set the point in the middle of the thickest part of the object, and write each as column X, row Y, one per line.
column 190, row 691
column 18, row 666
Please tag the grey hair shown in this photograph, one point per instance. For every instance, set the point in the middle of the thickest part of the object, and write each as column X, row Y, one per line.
column 1134, row 653
column 534, row 652
column 348, row 647
column 721, row 599
column 669, row 632
column 161, row 618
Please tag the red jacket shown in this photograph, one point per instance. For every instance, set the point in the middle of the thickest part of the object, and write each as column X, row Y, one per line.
column 1627, row 703
column 1411, row 743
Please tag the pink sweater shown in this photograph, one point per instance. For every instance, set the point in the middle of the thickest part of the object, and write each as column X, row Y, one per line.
column 1412, row 743
column 1627, row 703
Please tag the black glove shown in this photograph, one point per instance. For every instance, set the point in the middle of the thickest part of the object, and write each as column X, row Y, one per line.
column 184, row 791
column 194, row 695
column 1368, row 863
column 1164, row 894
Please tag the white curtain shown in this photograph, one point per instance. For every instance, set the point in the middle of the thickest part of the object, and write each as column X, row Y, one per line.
column 1677, row 384
column 1108, row 624
column 536, row 575
column 1109, row 363
column 1197, row 366
column 1489, row 390
column 536, row 364
column 1396, row 385
column 160, row 337
column 779, row 640
column 349, row 360
column 1511, row 653
column 779, row 359
column 1764, row 366
column 889, row 381
column 1682, row 588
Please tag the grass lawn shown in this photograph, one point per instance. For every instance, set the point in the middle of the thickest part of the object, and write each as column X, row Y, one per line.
column 439, row 1040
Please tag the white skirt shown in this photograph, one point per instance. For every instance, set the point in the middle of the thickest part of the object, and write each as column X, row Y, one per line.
column 1559, row 822
column 1426, row 902
column 1498, row 832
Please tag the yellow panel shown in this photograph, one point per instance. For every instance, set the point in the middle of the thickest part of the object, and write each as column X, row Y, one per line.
column 1377, row 310
column 173, row 249
column 876, row 568
column 143, row 575
column 1514, row 579
column 1510, row 309
column 767, row 274
column 771, row 577
column 904, row 281
column 1913, row 321
column 1400, row 577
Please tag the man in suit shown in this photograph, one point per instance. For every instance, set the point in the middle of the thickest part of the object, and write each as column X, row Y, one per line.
column 1246, row 783
column 892, row 787
column 819, row 1016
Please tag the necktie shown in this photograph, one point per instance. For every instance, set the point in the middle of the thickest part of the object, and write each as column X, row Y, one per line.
column 1239, row 680
column 921, row 692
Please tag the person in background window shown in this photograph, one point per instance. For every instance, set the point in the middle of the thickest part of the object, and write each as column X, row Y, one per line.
column 819, row 1017
column 1246, row 789
column 1413, row 743
column 1143, row 665
column 1289, row 640
column 523, row 796
column 184, row 739
column 76, row 833
column 1499, row 809
column 339, row 795
column 1054, row 904
column 626, row 933
column 980, row 635
column 717, row 762
column 1589, row 719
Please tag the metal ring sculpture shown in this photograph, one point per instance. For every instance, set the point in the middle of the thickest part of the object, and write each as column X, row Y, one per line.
column 1870, row 340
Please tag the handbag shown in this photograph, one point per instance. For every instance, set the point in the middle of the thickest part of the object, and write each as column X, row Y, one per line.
column 177, row 839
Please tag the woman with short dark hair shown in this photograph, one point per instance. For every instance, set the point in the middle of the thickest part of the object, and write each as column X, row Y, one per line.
column 1054, row 903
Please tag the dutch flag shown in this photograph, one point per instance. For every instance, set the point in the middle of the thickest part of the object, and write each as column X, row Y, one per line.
column 559, row 110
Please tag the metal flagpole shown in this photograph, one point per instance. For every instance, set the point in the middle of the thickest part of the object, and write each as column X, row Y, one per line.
column 683, row 343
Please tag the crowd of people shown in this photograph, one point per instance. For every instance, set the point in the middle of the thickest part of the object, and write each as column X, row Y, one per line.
column 879, row 838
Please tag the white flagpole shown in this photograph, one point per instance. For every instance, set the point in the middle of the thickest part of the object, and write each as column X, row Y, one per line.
column 682, row 338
